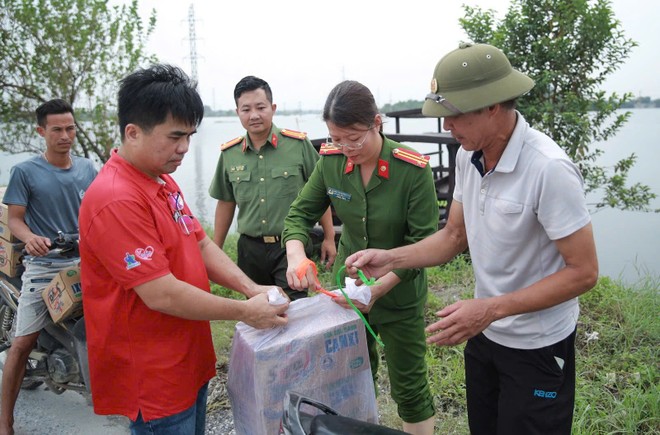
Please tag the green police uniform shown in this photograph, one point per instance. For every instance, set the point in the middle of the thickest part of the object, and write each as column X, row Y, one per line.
column 263, row 184
column 398, row 207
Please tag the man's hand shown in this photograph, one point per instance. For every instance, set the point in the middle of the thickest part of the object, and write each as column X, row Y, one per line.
column 328, row 252
column 258, row 289
column 37, row 246
column 461, row 321
column 261, row 314
column 374, row 263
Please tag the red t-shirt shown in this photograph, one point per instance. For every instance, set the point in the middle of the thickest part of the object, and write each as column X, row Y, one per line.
column 139, row 359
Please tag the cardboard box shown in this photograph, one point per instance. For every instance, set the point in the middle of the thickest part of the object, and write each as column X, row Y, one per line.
column 4, row 212
column 321, row 353
column 63, row 296
column 6, row 234
column 10, row 258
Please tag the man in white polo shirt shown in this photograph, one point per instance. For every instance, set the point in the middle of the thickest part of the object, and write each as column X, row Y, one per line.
column 519, row 206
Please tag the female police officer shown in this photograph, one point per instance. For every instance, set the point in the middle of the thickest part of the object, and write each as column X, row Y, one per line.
column 384, row 194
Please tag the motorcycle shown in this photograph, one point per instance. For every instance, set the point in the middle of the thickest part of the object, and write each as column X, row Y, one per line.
column 59, row 359
column 305, row 416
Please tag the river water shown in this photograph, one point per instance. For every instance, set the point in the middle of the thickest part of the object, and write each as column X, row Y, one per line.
column 628, row 243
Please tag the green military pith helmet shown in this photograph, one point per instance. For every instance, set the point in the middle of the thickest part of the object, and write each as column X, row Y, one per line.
column 472, row 77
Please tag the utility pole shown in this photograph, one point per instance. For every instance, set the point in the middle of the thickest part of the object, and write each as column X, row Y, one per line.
column 193, row 42
column 199, row 167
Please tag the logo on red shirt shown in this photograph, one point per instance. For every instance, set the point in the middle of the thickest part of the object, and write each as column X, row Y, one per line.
column 145, row 253
column 131, row 262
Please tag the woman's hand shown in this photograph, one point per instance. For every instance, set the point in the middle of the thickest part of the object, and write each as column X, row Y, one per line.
column 379, row 289
column 300, row 275
column 341, row 301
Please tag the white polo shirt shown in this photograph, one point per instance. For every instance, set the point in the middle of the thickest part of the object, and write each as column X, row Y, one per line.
column 512, row 215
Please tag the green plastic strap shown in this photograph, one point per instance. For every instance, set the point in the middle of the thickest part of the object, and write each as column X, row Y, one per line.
column 369, row 282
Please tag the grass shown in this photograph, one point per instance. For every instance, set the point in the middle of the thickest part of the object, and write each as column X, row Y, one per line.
column 617, row 355
column 618, row 359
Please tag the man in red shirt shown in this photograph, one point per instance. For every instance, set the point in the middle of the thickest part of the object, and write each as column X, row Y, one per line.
column 146, row 265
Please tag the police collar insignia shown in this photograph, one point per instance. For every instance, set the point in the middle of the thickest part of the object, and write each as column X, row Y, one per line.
column 383, row 169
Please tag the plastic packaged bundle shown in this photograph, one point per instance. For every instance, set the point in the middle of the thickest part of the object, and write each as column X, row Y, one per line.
column 321, row 353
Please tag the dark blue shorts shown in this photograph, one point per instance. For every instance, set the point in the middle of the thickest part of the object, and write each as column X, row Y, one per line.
column 522, row 391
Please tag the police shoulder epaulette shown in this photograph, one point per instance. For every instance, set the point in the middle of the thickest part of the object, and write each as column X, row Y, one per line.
column 410, row 156
column 294, row 134
column 231, row 143
column 329, row 150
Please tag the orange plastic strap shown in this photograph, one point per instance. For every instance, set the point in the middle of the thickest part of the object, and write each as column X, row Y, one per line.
column 301, row 271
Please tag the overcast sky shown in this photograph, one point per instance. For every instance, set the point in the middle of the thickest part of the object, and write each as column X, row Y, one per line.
column 303, row 48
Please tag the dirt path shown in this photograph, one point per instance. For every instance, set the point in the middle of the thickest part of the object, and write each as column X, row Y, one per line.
column 43, row 412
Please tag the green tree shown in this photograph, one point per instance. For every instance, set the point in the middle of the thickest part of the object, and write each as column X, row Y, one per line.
column 402, row 105
column 569, row 47
column 71, row 49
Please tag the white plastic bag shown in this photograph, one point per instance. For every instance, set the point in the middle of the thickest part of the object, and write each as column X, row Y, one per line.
column 360, row 293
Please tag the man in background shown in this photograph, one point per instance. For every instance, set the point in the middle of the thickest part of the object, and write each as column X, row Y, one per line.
column 262, row 173
column 43, row 198
column 146, row 265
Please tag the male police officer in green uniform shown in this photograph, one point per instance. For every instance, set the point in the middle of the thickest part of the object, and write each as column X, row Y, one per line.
column 262, row 173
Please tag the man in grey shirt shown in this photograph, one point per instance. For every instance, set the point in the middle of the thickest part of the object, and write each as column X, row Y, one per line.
column 43, row 198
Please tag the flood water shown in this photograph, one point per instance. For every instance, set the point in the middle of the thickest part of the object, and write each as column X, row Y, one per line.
column 628, row 243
